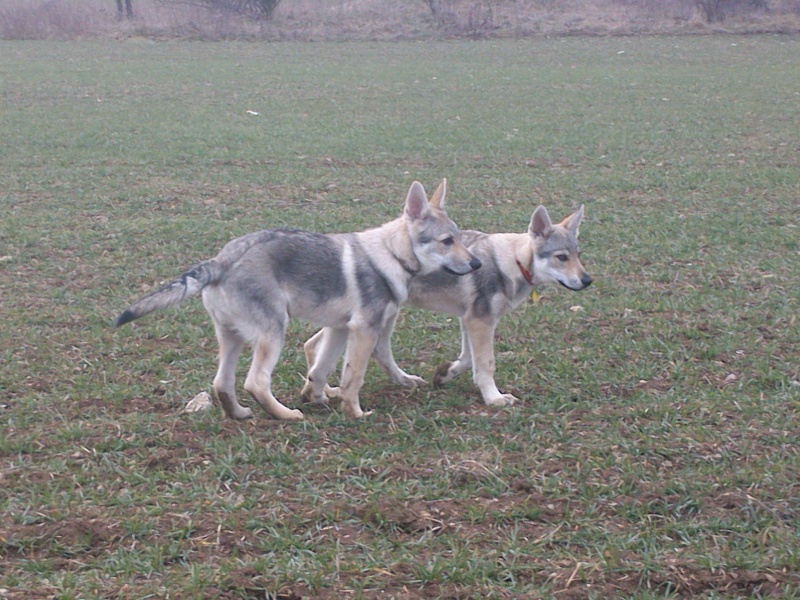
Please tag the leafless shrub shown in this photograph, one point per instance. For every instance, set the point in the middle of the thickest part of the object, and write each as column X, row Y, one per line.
column 380, row 19
column 463, row 16
column 670, row 9
column 710, row 10
column 715, row 11
column 51, row 19
column 258, row 10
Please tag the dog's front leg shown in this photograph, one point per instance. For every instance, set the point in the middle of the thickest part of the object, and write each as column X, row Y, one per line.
column 383, row 354
column 450, row 370
column 322, row 352
column 480, row 335
column 360, row 344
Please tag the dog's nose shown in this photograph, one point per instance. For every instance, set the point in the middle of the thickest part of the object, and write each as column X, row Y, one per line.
column 586, row 280
column 476, row 264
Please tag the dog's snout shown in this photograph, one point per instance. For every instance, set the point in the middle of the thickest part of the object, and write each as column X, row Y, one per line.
column 475, row 264
column 586, row 280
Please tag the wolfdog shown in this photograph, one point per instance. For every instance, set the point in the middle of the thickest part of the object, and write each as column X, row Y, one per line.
column 350, row 282
column 513, row 263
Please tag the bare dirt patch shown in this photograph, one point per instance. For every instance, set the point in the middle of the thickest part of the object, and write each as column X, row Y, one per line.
column 63, row 538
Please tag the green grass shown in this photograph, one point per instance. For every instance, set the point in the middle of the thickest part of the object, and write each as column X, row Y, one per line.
column 654, row 453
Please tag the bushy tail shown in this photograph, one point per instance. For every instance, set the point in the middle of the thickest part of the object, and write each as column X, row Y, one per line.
column 189, row 284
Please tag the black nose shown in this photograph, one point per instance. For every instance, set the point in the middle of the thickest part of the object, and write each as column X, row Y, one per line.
column 476, row 264
column 586, row 280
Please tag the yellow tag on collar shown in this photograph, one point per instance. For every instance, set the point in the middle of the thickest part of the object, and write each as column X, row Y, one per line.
column 535, row 296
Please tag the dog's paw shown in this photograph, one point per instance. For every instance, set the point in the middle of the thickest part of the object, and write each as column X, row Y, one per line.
column 333, row 392
column 278, row 411
column 355, row 412
column 310, row 396
column 410, row 381
column 290, row 414
column 443, row 374
column 501, row 400
column 242, row 413
column 232, row 408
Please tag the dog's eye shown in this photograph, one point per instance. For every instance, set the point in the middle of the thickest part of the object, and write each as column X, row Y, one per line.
column 562, row 257
column 448, row 241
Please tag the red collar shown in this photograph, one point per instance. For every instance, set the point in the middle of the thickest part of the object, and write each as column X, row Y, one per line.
column 525, row 273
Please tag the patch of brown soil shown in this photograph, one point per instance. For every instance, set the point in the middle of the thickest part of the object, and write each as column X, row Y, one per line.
column 657, row 385
column 247, row 582
column 64, row 537
column 584, row 581
column 408, row 517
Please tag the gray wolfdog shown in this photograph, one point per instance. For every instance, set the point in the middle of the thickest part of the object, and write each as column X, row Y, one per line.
column 352, row 282
column 513, row 263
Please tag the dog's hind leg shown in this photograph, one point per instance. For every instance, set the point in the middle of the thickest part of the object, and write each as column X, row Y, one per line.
column 322, row 352
column 450, row 370
column 383, row 354
column 266, row 352
column 230, row 347
column 480, row 334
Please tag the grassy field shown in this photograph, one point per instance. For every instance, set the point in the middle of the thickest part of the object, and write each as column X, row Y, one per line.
column 655, row 450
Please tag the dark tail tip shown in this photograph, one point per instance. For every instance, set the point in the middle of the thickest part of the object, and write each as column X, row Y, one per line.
column 126, row 317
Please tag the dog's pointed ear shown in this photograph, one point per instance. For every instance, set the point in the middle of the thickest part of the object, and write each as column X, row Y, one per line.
column 573, row 222
column 438, row 197
column 541, row 225
column 416, row 201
